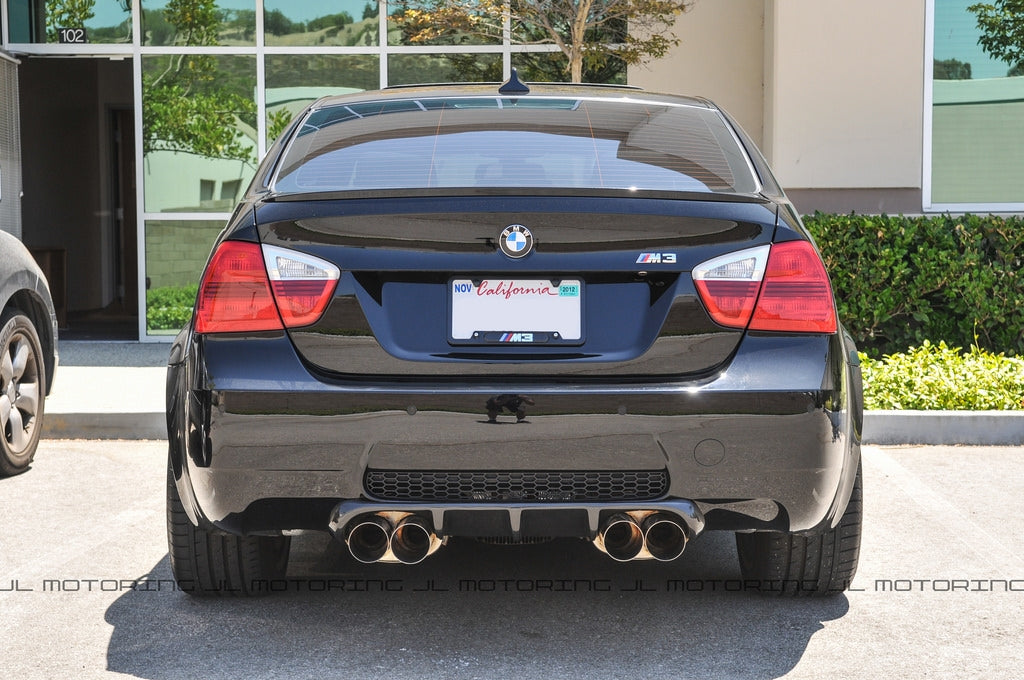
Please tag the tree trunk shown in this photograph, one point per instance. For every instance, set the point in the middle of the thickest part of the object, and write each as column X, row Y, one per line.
column 577, row 31
column 576, row 66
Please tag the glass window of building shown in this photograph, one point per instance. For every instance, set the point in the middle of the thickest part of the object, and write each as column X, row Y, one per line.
column 553, row 67
column 198, row 22
column 176, row 251
column 348, row 23
column 199, row 124
column 70, row 21
column 410, row 23
column 407, row 69
column 295, row 80
column 977, row 112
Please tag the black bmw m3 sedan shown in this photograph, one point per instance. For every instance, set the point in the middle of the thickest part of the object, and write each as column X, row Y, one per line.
column 514, row 312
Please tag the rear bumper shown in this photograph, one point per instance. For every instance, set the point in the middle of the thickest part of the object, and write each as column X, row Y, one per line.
column 768, row 444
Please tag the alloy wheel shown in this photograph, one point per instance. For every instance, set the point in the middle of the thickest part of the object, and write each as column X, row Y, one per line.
column 19, row 392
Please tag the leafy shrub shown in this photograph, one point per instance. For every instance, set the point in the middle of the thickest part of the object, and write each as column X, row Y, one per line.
column 169, row 307
column 901, row 280
column 937, row 377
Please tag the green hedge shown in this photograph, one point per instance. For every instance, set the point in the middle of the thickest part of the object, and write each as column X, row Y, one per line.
column 902, row 280
column 169, row 307
column 938, row 377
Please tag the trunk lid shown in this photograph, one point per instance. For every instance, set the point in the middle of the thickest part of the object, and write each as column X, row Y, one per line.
column 419, row 274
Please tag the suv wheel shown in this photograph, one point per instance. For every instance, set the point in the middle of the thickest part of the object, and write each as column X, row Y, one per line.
column 205, row 563
column 795, row 565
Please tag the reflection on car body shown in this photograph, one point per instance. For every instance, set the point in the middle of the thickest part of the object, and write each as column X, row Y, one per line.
column 513, row 403
column 616, row 270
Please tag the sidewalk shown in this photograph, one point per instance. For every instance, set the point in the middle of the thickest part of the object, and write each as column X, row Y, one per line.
column 115, row 390
column 108, row 390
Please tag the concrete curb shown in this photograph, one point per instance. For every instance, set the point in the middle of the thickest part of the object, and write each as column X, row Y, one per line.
column 104, row 426
column 980, row 428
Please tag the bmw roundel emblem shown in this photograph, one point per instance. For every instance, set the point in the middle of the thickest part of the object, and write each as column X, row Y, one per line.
column 516, row 241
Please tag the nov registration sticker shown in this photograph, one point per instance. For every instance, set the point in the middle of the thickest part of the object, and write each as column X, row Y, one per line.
column 516, row 311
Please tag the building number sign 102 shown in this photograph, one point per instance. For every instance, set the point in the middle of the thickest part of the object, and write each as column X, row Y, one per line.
column 72, row 36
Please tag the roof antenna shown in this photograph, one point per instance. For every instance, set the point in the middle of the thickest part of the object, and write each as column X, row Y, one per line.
column 513, row 85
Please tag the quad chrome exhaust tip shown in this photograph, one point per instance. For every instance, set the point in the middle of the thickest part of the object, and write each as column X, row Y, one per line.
column 391, row 537
column 368, row 541
column 660, row 532
column 623, row 538
column 644, row 534
column 411, row 539
column 664, row 537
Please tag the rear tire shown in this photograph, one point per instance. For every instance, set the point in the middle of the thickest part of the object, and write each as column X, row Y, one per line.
column 22, row 392
column 205, row 563
column 794, row 565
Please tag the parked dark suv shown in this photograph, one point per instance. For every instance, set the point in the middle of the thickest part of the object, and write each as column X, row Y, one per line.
column 514, row 312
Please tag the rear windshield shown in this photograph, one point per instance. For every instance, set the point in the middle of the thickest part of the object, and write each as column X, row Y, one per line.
column 503, row 142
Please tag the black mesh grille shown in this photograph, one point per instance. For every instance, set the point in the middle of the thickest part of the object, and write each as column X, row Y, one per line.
column 493, row 486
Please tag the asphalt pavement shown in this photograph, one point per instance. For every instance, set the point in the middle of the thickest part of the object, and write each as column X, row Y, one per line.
column 86, row 591
column 86, row 588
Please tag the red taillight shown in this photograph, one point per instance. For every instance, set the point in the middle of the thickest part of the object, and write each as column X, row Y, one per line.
column 235, row 293
column 796, row 296
column 782, row 288
column 248, row 288
column 730, row 303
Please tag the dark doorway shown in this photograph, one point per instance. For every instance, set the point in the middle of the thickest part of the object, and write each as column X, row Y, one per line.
column 126, row 239
column 79, row 205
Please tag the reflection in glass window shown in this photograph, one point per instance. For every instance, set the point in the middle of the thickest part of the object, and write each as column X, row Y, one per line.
column 321, row 22
column 407, row 69
column 294, row 81
column 229, row 190
column 495, row 142
column 198, row 121
column 408, row 26
column 198, row 22
column 70, row 21
column 176, row 251
column 553, row 67
column 977, row 114
column 468, row 159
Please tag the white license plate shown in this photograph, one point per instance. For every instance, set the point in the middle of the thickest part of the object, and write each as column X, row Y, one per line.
column 530, row 311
